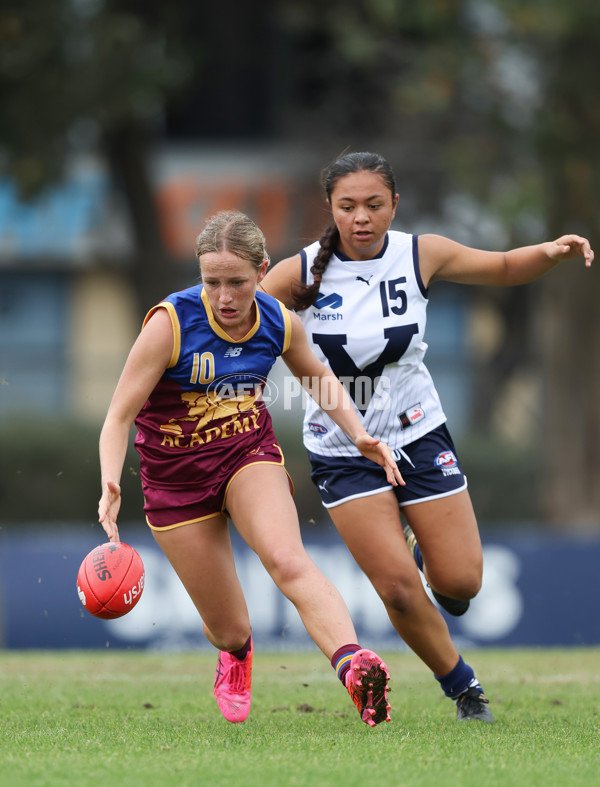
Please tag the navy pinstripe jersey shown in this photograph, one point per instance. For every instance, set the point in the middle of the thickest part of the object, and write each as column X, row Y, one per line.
column 367, row 325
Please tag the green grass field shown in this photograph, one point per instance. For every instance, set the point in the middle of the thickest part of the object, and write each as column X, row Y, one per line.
column 138, row 718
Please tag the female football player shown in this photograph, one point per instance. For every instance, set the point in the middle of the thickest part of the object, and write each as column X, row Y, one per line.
column 362, row 293
column 192, row 383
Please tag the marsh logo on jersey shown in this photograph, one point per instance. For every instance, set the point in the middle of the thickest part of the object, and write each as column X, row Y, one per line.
column 447, row 462
column 318, row 430
column 331, row 301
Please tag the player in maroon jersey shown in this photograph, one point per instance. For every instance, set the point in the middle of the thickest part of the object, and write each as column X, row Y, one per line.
column 192, row 383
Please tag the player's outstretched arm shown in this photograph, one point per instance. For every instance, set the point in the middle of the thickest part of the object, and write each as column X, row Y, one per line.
column 442, row 259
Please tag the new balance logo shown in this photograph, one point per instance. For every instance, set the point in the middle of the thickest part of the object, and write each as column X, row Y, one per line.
column 233, row 352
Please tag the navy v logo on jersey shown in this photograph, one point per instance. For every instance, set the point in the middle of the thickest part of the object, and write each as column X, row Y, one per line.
column 333, row 346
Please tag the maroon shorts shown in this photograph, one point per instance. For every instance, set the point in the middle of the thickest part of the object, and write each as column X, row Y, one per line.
column 172, row 506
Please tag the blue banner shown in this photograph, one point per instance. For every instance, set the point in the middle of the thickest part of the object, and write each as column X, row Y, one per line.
column 537, row 591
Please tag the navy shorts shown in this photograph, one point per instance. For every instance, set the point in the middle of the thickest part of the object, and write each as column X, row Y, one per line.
column 429, row 466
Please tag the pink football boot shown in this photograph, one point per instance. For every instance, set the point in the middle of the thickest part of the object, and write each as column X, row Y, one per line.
column 367, row 684
column 233, row 682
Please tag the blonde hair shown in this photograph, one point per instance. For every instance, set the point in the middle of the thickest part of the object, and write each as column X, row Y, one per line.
column 230, row 230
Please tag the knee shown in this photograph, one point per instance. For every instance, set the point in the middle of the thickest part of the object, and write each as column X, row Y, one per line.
column 469, row 587
column 286, row 567
column 466, row 586
column 229, row 637
column 401, row 596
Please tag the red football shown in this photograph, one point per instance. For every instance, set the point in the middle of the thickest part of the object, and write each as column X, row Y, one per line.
column 110, row 580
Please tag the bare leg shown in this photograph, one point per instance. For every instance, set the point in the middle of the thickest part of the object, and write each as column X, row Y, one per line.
column 202, row 557
column 448, row 537
column 264, row 513
column 372, row 529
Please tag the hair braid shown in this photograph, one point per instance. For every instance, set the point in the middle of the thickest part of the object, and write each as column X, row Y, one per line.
column 305, row 295
column 328, row 241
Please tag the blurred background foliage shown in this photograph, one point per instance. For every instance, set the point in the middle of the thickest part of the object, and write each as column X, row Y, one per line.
column 52, row 475
column 488, row 110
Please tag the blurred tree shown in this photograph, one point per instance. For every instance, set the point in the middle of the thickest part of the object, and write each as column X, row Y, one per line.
column 568, row 42
column 549, row 70
column 116, row 77
column 81, row 75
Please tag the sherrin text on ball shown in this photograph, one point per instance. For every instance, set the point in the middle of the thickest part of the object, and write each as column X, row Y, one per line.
column 110, row 580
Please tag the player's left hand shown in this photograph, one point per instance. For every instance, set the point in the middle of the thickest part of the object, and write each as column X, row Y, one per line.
column 381, row 453
column 567, row 247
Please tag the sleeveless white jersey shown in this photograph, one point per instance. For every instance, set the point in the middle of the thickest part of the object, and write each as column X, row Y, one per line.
column 367, row 325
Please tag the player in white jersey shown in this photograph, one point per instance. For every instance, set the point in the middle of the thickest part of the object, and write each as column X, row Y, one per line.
column 362, row 291
column 382, row 364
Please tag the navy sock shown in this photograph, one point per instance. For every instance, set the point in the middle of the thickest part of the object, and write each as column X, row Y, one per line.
column 340, row 661
column 418, row 557
column 458, row 680
column 243, row 651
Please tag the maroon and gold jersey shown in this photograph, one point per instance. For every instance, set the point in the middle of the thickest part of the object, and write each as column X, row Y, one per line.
column 208, row 405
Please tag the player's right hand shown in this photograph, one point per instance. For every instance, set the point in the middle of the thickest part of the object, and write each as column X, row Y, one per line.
column 108, row 509
column 380, row 452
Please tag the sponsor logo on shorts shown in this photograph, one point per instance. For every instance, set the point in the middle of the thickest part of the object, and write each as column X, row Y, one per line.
column 411, row 416
column 447, row 462
column 318, row 430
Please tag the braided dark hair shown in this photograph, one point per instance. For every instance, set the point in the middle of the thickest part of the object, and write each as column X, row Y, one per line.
column 305, row 295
